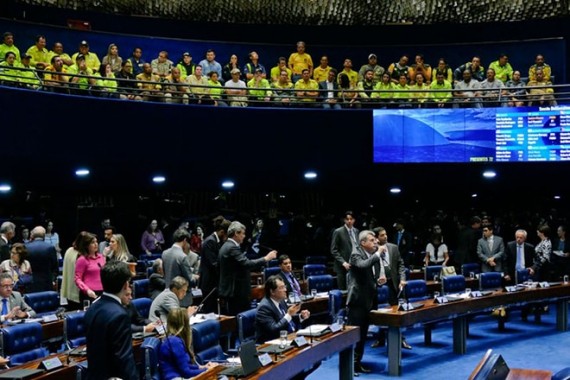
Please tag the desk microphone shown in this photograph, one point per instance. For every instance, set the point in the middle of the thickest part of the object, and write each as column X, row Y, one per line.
column 204, row 300
column 157, row 314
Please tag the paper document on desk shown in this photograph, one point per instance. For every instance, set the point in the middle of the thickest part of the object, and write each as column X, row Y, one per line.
column 314, row 330
column 202, row 317
column 32, row 320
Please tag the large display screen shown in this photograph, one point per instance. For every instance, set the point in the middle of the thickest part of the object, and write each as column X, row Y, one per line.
column 472, row 135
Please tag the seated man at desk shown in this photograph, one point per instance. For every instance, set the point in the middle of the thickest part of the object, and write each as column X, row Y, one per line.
column 138, row 322
column 169, row 299
column 273, row 315
column 288, row 277
column 13, row 304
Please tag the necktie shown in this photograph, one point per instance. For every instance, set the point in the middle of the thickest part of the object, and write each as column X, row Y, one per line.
column 291, row 326
column 490, row 241
column 519, row 264
column 399, row 237
column 295, row 284
column 385, row 265
column 4, row 306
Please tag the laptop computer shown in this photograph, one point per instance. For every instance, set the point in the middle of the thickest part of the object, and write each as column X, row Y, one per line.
column 249, row 361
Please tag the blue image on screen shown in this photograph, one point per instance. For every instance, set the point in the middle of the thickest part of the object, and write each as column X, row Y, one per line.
column 434, row 135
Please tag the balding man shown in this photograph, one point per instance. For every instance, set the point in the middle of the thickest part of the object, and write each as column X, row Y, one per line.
column 7, row 232
column 43, row 260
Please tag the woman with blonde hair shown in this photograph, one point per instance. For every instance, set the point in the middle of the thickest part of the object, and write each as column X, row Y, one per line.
column 175, row 356
column 112, row 58
column 118, row 250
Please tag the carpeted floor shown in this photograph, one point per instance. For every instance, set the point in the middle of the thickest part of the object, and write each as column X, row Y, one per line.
column 522, row 345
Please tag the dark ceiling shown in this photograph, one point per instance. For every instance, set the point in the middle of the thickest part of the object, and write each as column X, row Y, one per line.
column 325, row 12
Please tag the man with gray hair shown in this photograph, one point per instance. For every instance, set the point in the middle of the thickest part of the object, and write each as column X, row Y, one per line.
column 7, row 233
column 43, row 260
column 170, row 299
column 235, row 278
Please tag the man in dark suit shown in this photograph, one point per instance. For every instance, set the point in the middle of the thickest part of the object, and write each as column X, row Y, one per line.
column 273, row 316
column 108, row 328
column 7, row 233
column 156, row 282
column 364, row 275
column 235, row 277
column 467, row 239
column 392, row 275
column 490, row 250
column 288, row 277
column 404, row 240
column 342, row 244
column 328, row 91
column 519, row 255
column 43, row 260
column 209, row 264
column 12, row 303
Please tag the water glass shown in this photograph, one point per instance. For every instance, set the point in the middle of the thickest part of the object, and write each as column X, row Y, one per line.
column 291, row 298
column 468, row 292
column 435, row 278
column 314, row 292
column 86, row 304
column 565, row 279
column 472, row 275
column 259, row 281
column 282, row 338
column 435, row 294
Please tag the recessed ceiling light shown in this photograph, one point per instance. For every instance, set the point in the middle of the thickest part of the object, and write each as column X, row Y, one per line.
column 158, row 179
column 395, row 190
column 228, row 184
column 557, row 197
column 310, row 175
column 489, row 174
column 5, row 188
column 474, row 195
column 82, row 172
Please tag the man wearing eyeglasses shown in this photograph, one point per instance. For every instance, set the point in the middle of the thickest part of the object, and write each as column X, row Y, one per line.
column 12, row 302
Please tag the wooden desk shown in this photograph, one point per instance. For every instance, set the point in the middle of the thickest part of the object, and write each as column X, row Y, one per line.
column 529, row 374
column 69, row 369
column 459, row 312
column 296, row 360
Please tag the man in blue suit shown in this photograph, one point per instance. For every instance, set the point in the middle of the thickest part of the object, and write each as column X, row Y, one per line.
column 109, row 340
column 43, row 260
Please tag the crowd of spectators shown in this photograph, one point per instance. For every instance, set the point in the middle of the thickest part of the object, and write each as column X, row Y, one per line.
column 293, row 82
